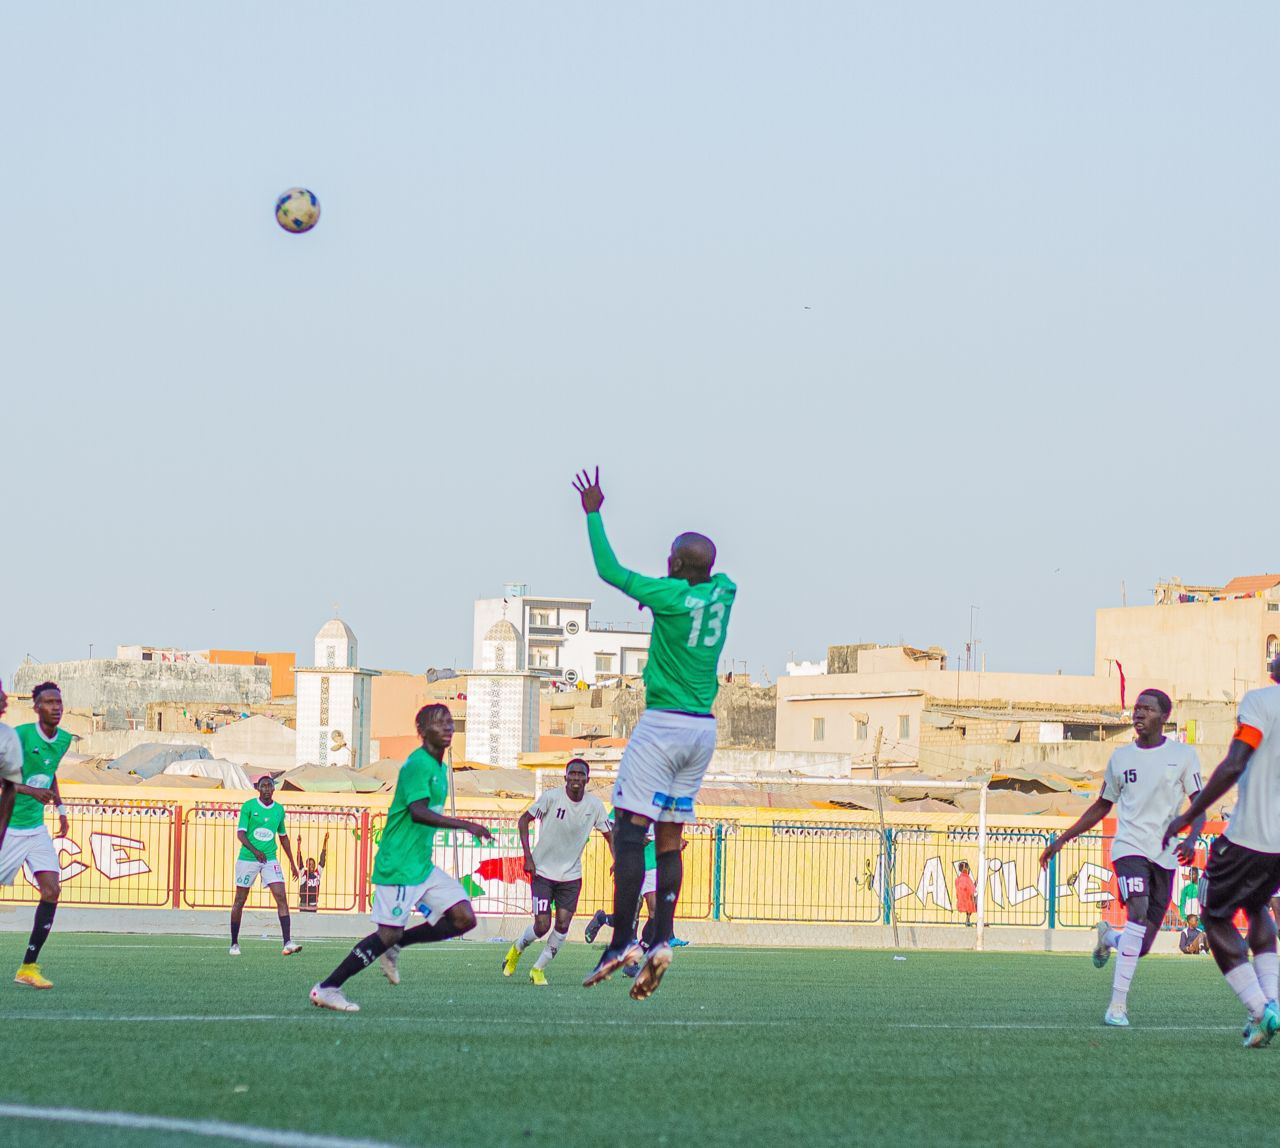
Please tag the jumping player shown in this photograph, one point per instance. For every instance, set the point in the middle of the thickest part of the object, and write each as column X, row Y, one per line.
column 1243, row 869
column 261, row 825
column 403, row 874
column 27, row 841
column 566, row 818
column 1146, row 781
column 669, row 751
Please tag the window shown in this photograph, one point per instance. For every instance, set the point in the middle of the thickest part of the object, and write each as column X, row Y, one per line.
column 604, row 663
column 1273, row 648
column 904, row 725
column 539, row 656
column 819, row 728
column 640, row 665
column 539, row 618
column 862, row 730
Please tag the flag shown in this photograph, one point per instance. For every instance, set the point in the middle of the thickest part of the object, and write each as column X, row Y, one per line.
column 508, row 869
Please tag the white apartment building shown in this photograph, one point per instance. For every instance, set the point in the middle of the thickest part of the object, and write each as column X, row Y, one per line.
column 560, row 640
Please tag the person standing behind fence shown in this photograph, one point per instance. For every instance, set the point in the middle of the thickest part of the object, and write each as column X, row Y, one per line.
column 261, row 825
column 309, row 878
column 966, row 893
column 1146, row 782
column 27, row 841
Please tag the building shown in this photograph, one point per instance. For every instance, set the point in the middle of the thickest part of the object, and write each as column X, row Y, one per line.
column 334, row 701
column 560, row 641
column 502, row 700
column 119, row 690
column 1212, row 642
column 397, row 698
column 964, row 720
column 280, row 663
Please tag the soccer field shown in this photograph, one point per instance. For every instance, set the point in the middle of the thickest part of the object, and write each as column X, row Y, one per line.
column 740, row 1046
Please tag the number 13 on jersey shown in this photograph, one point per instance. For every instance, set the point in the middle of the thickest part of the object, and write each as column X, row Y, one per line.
column 713, row 614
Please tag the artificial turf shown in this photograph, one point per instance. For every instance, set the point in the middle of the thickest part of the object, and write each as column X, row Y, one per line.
column 740, row 1047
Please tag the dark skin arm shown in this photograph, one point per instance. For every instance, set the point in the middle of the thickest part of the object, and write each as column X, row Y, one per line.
column 422, row 813
column 288, row 852
column 1224, row 777
column 243, row 837
column 522, row 824
column 1087, row 820
column 8, row 792
column 324, row 850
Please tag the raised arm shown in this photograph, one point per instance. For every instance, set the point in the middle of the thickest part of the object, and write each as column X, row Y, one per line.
column 651, row 592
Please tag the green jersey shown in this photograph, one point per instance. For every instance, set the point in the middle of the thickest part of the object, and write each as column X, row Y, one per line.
column 690, row 624
column 40, row 758
column 404, row 853
column 263, row 825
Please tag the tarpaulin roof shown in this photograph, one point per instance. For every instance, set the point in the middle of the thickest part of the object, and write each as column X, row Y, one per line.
column 329, row 779
column 227, row 773
column 150, row 758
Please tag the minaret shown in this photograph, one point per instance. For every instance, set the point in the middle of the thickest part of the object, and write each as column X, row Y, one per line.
column 502, row 700
column 333, row 701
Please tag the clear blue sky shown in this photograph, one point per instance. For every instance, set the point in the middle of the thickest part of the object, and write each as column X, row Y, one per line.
column 908, row 306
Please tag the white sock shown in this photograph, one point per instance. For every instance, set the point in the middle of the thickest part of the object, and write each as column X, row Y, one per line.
column 554, row 941
column 1127, row 953
column 1112, row 938
column 1267, row 966
column 526, row 939
column 1244, row 983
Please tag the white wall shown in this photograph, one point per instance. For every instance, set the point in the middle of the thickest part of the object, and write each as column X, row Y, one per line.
column 568, row 651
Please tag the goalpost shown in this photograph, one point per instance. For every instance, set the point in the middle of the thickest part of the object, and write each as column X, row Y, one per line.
column 852, row 783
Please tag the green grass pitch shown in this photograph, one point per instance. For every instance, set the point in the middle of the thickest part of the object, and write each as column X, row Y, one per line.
column 740, row 1047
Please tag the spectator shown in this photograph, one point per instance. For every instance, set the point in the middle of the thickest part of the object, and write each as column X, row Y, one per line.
column 1189, row 898
column 966, row 893
column 309, row 879
column 1192, row 939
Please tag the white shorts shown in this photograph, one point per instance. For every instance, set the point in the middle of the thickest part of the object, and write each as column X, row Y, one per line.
column 247, row 872
column 30, row 847
column 650, row 884
column 395, row 904
column 663, row 765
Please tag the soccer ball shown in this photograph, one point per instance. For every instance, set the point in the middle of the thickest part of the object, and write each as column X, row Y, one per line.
column 297, row 210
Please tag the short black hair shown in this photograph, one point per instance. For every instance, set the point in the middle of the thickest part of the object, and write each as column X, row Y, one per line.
column 582, row 761
column 1162, row 700
column 425, row 714
column 42, row 688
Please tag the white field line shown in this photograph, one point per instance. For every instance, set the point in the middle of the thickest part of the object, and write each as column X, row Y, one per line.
column 245, row 1133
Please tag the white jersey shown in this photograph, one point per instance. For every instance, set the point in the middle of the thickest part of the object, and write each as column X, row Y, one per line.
column 563, row 834
column 10, row 754
column 1255, row 821
column 1148, row 787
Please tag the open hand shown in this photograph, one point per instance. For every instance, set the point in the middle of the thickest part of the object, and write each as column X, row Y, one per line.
column 1176, row 826
column 589, row 489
